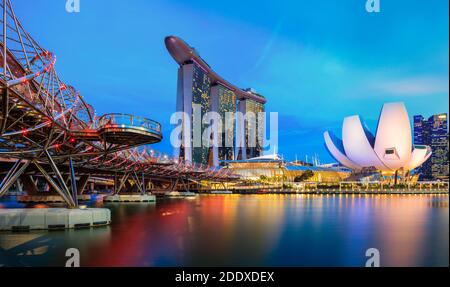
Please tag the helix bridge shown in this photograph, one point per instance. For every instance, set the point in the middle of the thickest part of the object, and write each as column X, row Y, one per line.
column 48, row 130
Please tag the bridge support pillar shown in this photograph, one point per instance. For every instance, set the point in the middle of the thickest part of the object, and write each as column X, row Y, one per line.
column 60, row 186
column 29, row 184
column 119, row 185
column 5, row 108
column 82, row 183
column 139, row 183
column 73, row 182
column 11, row 177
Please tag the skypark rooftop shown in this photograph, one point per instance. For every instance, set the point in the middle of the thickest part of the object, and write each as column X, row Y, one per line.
column 183, row 53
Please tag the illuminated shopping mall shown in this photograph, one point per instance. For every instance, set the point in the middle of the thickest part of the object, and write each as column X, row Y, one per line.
column 274, row 168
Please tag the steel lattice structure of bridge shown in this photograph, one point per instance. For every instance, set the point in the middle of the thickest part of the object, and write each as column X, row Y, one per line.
column 48, row 129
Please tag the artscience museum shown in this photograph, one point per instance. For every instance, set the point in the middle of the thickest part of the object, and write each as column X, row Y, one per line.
column 390, row 151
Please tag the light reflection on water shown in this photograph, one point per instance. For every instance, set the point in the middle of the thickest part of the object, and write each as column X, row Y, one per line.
column 250, row 230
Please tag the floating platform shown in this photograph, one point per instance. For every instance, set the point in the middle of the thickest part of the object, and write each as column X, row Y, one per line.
column 26, row 219
column 49, row 198
column 130, row 198
column 180, row 194
column 221, row 192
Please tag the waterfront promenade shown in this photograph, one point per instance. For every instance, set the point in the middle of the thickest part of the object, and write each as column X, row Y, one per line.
column 430, row 187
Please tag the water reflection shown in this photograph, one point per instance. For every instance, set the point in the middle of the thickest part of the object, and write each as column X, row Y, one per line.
column 250, row 230
column 48, row 248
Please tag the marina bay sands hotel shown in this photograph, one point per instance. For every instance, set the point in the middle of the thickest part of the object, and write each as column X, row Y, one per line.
column 199, row 86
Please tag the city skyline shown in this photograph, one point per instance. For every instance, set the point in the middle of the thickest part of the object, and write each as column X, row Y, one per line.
column 121, row 145
column 433, row 131
column 290, row 56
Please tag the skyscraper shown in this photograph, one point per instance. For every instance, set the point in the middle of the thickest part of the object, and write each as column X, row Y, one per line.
column 433, row 132
column 421, row 137
column 200, row 91
column 226, row 102
column 252, row 128
column 201, row 96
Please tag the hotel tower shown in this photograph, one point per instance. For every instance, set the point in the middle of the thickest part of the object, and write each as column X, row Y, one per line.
column 201, row 90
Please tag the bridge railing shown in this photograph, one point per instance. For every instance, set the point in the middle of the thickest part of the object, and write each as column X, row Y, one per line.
column 128, row 121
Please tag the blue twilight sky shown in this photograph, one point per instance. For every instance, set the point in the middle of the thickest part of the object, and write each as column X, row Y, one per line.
column 316, row 61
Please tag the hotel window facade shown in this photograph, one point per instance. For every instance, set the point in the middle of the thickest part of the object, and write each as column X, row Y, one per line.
column 201, row 85
column 199, row 94
column 227, row 104
column 253, row 128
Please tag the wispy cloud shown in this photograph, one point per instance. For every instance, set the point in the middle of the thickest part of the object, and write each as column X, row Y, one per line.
column 415, row 86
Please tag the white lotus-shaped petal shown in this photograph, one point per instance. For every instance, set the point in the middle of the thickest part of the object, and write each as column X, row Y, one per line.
column 336, row 149
column 393, row 143
column 390, row 150
column 358, row 143
column 419, row 155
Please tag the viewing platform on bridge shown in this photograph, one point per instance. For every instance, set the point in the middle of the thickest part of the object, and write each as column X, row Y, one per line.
column 120, row 128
